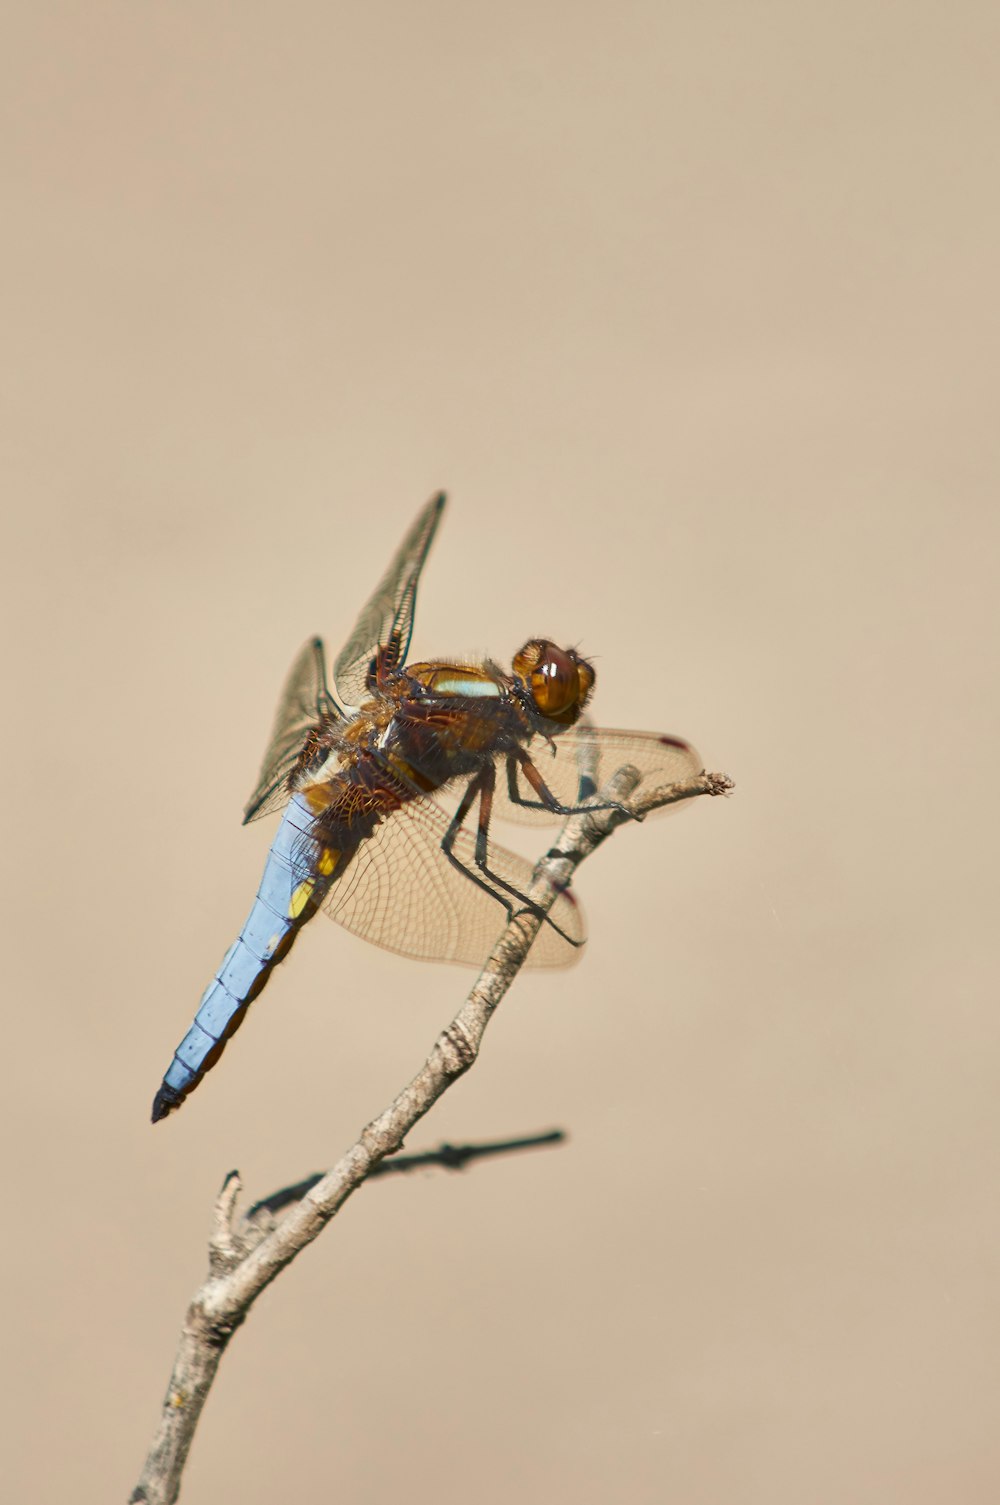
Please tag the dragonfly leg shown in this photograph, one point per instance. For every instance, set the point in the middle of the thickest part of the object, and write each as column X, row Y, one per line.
column 546, row 799
column 484, row 784
column 448, row 843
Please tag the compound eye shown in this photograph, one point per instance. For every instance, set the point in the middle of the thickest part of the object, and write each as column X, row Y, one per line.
column 558, row 681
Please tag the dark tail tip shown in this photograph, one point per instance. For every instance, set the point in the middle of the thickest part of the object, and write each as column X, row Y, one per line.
column 165, row 1101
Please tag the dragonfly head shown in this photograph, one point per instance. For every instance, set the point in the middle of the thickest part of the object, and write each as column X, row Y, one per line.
column 555, row 681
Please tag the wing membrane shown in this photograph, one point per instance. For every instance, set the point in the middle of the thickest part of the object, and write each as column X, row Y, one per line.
column 390, row 609
column 400, row 892
column 593, row 754
column 304, row 699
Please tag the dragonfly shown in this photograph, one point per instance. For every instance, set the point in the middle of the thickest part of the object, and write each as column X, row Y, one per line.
column 366, row 777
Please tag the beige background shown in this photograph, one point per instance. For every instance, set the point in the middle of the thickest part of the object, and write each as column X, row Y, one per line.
column 693, row 310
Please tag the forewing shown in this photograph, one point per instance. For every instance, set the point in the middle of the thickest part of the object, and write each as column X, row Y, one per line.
column 390, row 609
column 581, row 759
column 401, row 892
column 304, row 699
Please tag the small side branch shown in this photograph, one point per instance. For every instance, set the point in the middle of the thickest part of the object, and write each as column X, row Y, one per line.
column 244, row 1256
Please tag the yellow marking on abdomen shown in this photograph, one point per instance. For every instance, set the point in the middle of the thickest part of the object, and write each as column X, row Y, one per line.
column 300, row 898
column 318, row 796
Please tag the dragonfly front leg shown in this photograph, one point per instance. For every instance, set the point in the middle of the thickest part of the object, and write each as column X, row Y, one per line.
column 546, row 799
column 484, row 785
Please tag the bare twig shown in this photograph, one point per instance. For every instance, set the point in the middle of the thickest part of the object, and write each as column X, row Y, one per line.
column 245, row 1255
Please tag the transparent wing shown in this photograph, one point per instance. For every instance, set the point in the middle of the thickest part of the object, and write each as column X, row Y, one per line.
column 390, row 609
column 304, row 699
column 401, row 892
column 580, row 759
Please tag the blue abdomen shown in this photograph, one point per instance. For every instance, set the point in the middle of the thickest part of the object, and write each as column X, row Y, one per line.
column 288, row 895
